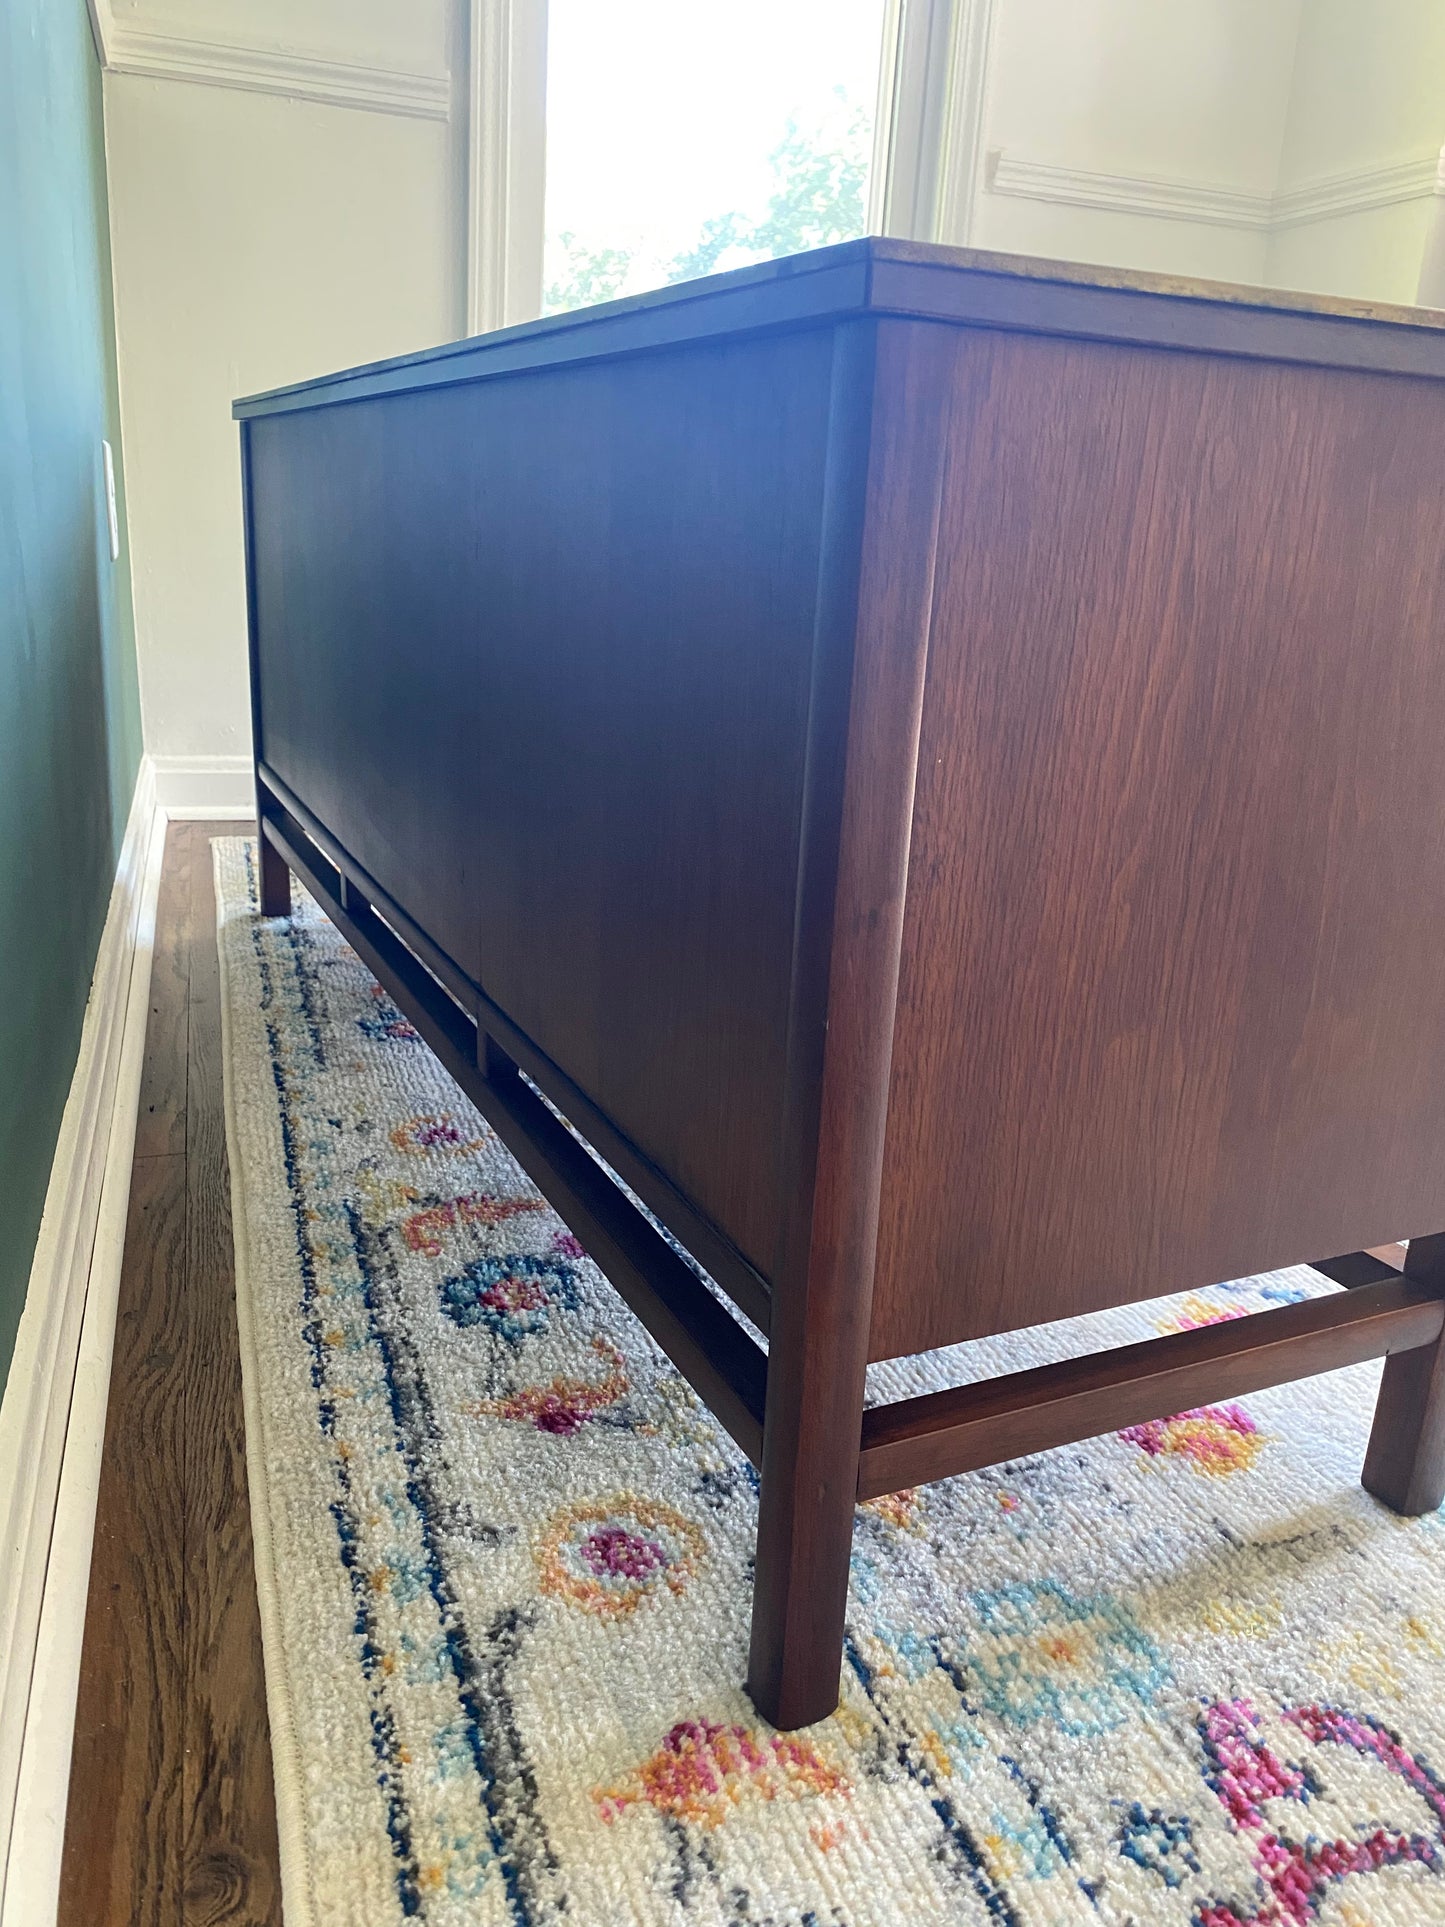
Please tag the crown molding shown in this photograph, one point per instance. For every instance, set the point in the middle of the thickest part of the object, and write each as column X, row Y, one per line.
column 1357, row 192
column 1127, row 193
column 102, row 26
column 1322, row 199
column 126, row 49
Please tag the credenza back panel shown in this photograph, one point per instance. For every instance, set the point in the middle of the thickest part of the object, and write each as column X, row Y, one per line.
column 1172, row 1002
column 364, row 587
column 537, row 652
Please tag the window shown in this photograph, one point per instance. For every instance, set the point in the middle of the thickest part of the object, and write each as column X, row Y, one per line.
column 684, row 138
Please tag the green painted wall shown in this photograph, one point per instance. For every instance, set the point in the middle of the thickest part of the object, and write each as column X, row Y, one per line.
column 69, row 711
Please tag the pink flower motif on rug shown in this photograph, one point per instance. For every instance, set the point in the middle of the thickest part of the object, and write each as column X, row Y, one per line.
column 563, row 1405
column 703, row 1768
column 607, row 1556
column 434, row 1131
column 1194, row 1312
column 1217, row 1439
column 385, row 1023
column 1245, row 1773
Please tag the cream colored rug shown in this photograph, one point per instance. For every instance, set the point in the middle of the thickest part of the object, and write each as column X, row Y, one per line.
column 1188, row 1675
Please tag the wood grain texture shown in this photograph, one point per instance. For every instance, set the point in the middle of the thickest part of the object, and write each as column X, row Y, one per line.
column 171, row 1814
column 361, row 557
column 231, row 1867
column 1165, row 1016
column 1405, row 1460
column 537, row 654
column 125, row 1838
column 161, row 1117
column 353, row 889
column 704, row 1341
column 943, row 1433
column 707, row 1344
column 275, row 883
column 878, row 560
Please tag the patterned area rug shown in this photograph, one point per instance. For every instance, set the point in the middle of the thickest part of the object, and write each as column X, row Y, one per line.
column 1187, row 1675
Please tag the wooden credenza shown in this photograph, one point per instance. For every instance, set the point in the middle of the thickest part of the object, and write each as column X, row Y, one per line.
column 933, row 762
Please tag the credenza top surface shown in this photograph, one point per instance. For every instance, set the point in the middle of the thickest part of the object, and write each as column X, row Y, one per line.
column 880, row 277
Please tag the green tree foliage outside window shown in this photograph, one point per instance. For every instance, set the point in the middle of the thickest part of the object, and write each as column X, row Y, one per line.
column 820, row 188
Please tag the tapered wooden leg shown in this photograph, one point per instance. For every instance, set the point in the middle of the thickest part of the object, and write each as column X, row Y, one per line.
column 850, row 926
column 811, row 1433
column 275, row 882
column 1405, row 1461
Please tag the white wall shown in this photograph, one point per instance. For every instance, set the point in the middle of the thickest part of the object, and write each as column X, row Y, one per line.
column 1285, row 143
column 1368, row 100
column 1128, row 91
column 1376, row 254
column 257, row 240
column 1369, row 85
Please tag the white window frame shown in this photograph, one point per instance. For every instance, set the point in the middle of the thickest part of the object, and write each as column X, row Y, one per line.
column 928, row 148
column 506, row 161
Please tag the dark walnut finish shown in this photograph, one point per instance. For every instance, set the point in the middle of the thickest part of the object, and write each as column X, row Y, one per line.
column 925, row 759
column 1184, row 683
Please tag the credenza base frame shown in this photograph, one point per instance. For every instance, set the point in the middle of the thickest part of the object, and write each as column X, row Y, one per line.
column 1384, row 1312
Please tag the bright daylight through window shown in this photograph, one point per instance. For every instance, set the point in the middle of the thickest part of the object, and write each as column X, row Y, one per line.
column 685, row 138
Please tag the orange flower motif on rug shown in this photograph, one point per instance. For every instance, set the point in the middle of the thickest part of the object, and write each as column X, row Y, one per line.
column 608, row 1555
column 434, row 1131
column 1193, row 1313
column 1217, row 1439
column 703, row 1769
column 903, row 1509
column 564, row 1404
column 422, row 1230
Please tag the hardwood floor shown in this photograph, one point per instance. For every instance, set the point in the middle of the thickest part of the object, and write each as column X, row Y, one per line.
column 171, row 1821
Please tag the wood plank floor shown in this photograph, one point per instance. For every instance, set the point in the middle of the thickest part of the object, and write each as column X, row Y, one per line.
column 171, row 1821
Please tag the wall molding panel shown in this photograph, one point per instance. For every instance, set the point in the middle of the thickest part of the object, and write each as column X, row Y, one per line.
column 1127, row 193
column 149, row 51
column 1357, row 192
column 1218, row 206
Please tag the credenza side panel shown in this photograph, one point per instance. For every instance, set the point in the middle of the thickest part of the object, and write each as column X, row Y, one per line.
column 1171, row 1002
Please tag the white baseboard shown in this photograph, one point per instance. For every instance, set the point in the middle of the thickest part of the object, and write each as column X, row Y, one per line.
column 52, row 1417
column 198, row 787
